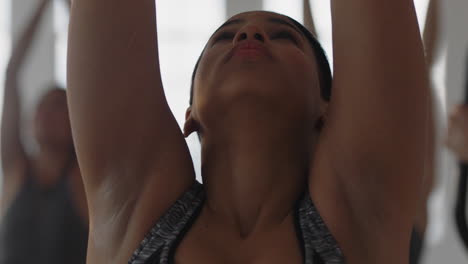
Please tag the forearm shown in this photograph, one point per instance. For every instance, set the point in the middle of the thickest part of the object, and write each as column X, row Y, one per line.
column 308, row 17
column 430, row 40
column 380, row 76
column 431, row 33
column 381, row 36
column 11, row 147
column 380, row 110
column 25, row 40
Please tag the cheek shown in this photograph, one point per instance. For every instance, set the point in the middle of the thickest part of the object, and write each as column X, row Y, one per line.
column 304, row 88
column 297, row 61
column 205, row 77
column 302, row 73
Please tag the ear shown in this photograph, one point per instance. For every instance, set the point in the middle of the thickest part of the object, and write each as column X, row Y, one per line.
column 190, row 125
column 322, row 119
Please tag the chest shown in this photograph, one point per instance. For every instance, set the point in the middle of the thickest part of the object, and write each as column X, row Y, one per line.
column 206, row 245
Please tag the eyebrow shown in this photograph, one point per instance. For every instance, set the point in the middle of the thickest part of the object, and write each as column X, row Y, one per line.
column 271, row 20
column 285, row 23
column 229, row 23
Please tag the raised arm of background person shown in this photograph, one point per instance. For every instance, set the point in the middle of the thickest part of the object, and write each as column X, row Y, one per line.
column 373, row 151
column 431, row 40
column 431, row 35
column 132, row 154
column 308, row 17
column 13, row 154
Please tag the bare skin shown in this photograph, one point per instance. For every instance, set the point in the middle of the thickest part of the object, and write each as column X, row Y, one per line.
column 431, row 33
column 308, row 17
column 430, row 40
column 52, row 132
column 432, row 47
column 258, row 137
column 457, row 139
column 457, row 133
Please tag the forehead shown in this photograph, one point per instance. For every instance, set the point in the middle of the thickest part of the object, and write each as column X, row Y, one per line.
column 258, row 16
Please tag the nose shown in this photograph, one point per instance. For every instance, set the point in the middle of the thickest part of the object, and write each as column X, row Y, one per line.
column 250, row 32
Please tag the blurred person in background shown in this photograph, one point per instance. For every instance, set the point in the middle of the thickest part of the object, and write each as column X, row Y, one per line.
column 457, row 135
column 432, row 47
column 43, row 207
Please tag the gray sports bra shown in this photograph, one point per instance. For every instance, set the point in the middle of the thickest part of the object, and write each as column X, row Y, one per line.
column 158, row 247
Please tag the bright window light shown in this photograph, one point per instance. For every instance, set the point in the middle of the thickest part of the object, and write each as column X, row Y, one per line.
column 5, row 10
column 293, row 8
column 184, row 27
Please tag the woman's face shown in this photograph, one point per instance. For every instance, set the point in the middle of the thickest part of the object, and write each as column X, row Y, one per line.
column 261, row 56
column 51, row 121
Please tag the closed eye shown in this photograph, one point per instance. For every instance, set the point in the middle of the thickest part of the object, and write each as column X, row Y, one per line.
column 285, row 35
column 224, row 36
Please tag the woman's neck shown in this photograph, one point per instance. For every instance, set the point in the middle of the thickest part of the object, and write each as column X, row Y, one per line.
column 255, row 170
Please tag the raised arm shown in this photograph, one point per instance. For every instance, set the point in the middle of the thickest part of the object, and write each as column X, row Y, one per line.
column 375, row 141
column 308, row 17
column 431, row 33
column 132, row 154
column 13, row 154
column 69, row 2
column 432, row 47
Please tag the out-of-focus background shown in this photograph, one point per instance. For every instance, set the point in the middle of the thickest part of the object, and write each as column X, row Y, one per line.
column 185, row 26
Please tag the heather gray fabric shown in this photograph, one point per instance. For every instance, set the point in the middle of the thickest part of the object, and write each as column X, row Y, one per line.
column 159, row 245
column 42, row 227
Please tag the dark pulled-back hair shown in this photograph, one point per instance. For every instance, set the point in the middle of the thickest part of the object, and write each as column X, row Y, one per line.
column 325, row 76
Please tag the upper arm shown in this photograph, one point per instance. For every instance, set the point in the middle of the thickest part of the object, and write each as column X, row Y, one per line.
column 12, row 151
column 375, row 142
column 131, row 152
column 308, row 17
column 13, row 155
column 431, row 33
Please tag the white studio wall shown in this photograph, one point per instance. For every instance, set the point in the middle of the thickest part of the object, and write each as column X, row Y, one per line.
column 237, row 6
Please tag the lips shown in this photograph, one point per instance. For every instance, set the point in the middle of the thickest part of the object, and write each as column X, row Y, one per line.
column 249, row 49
